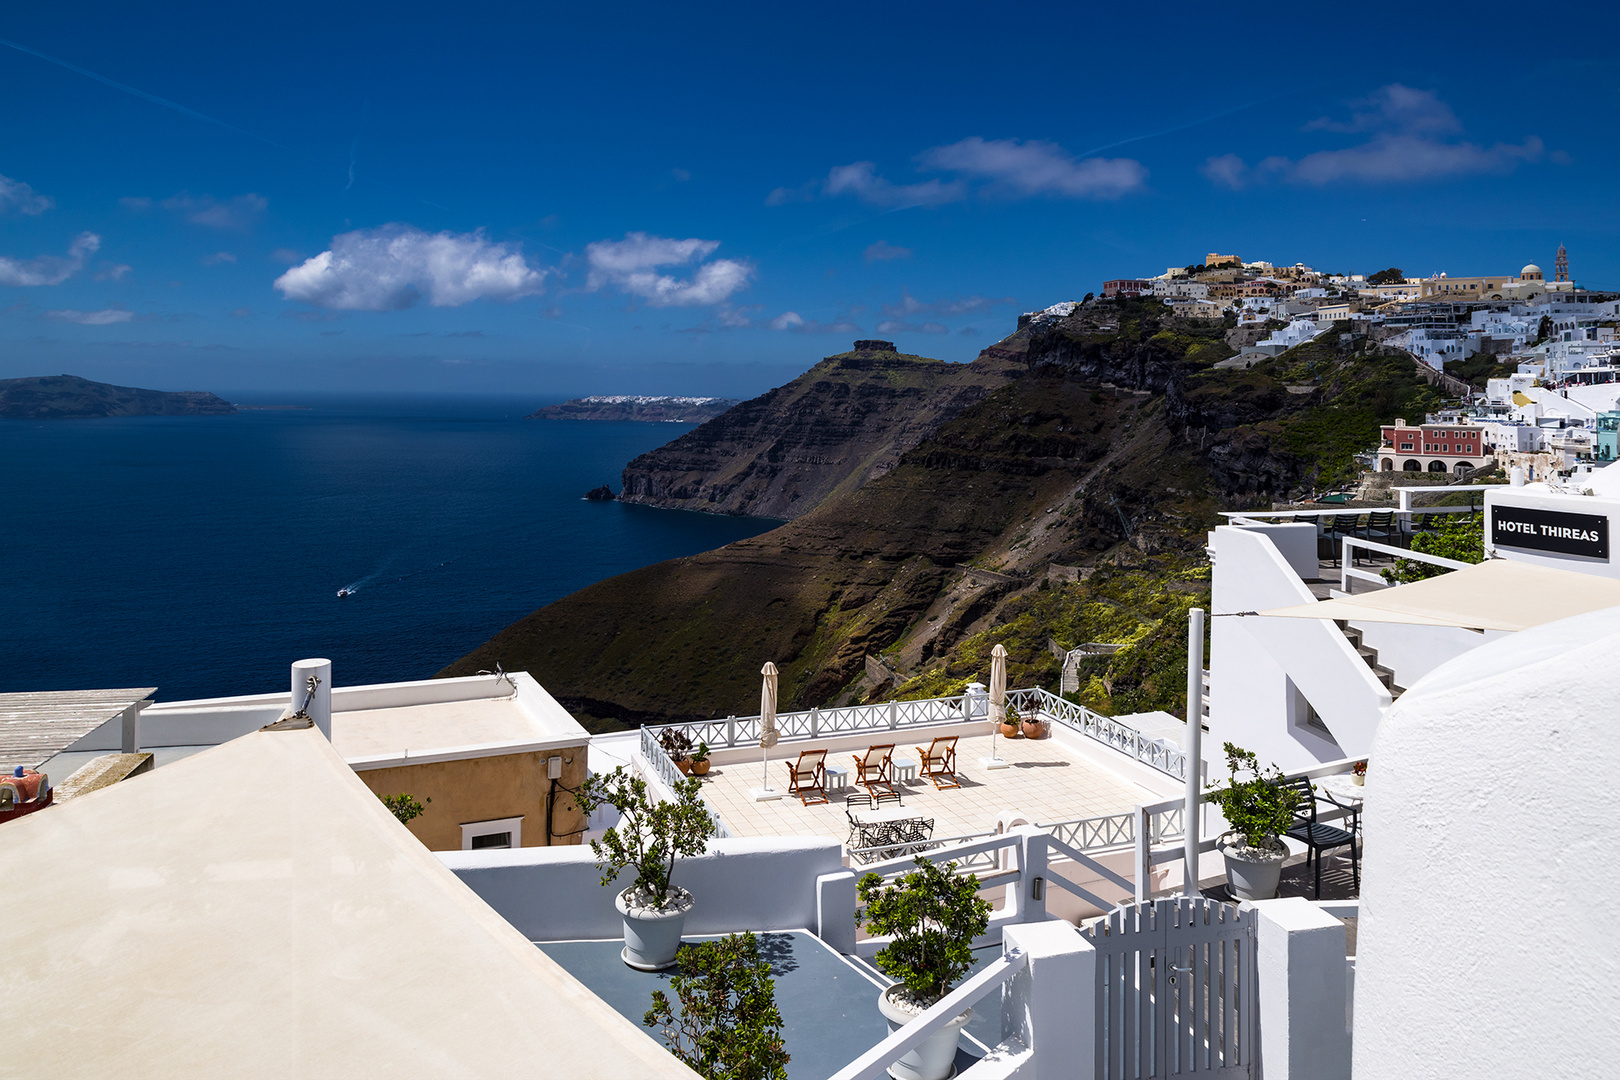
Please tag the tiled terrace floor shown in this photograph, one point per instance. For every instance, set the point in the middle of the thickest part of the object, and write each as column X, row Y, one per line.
column 1047, row 782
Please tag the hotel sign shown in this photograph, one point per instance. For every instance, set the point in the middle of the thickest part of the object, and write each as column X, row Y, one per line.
column 1550, row 530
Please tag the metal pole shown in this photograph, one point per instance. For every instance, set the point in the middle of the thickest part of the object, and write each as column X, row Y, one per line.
column 1194, row 746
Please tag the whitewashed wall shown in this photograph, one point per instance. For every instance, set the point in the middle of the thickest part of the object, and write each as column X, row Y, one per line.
column 556, row 893
column 1253, row 661
column 1486, row 944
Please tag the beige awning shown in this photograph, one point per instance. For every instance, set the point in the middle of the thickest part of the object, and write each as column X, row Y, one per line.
column 1498, row 594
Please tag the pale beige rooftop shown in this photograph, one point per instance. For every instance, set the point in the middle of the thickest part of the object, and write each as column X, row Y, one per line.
column 1048, row 781
column 422, row 729
column 209, row 924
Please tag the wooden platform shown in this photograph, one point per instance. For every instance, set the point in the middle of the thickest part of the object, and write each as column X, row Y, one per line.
column 36, row 726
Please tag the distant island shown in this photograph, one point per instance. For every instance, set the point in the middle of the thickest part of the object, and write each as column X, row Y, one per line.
column 68, row 397
column 686, row 410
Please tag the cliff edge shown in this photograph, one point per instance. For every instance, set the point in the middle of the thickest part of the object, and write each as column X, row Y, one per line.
column 840, row 425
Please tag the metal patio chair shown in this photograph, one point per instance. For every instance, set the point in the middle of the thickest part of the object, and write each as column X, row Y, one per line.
column 1319, row 836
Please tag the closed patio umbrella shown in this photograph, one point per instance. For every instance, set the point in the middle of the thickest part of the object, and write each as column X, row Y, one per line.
column 998, row 702
column 767, row 731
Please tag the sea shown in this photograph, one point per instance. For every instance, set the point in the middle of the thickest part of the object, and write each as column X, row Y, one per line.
column 204, row 554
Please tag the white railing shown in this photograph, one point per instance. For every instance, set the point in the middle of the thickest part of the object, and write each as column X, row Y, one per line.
column 811, row 724
column 876, row 1061
column 976, row 861
column 1106, row 730
column 669, row 774
column 1347, row 567
column 808, row 724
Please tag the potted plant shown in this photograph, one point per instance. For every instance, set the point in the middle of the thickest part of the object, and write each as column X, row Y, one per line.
column 1033, row 728
column 1009, row 723
column 1259, row 810
column 700, row 760
column 1358, row 773
column 650, row 836
column 932, row 915
column 678, row 745
column 727, row 1024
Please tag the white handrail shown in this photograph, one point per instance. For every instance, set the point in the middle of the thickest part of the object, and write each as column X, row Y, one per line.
column 876, row 1061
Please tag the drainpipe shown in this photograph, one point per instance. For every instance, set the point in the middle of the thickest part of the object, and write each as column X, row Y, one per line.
column 1194, row 746
column 319, row 707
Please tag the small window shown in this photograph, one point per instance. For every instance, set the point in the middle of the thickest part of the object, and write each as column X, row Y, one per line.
column 492, row 834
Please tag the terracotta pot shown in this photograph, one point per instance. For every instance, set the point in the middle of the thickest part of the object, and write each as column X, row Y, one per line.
column 1009, row 731
column 1032, row 731
column 701, row 768
column 685, row 765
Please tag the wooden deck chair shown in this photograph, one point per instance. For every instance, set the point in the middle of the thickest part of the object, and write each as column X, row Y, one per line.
column 873, row 771
column 807, row 777
column 939, row 761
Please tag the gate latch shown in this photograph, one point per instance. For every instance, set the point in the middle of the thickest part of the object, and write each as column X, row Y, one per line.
column 1174, row 969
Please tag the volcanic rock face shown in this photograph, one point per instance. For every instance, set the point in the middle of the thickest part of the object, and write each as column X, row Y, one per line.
column 837, row 427
column 68, row 397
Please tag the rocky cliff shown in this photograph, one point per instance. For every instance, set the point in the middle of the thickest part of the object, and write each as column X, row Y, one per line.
column 838, row 426
column 1097, row 464
column 64, row 397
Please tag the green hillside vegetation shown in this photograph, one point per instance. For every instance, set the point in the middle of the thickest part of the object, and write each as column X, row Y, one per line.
column 1110, row 444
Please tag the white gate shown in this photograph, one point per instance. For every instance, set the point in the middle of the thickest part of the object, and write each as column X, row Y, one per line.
column 1175, row 990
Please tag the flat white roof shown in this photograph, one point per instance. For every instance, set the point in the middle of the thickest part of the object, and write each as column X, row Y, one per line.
column 409, row 731
column 254, row 910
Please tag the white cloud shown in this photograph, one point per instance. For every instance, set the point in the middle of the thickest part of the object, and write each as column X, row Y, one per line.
column 49, row 269
column 895, row 326
column 792, row 320
column 1004, row 168
column 1409, row 139
column 1037, row 168
column 393, row 267
column 105, row 317
column 18, row 196
column 631, row 265
column 239, row 214
column 113, row 271
column 965, row 305
column 787, row 321
column 218, row 257
column 883, row 251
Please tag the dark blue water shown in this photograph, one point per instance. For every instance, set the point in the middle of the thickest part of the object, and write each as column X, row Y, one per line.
column 203, row 554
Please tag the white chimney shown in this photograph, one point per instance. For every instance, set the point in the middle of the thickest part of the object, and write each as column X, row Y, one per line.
column 319, row 707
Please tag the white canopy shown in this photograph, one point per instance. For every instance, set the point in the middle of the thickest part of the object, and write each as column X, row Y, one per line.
column 1497, row 594
column 255, row 911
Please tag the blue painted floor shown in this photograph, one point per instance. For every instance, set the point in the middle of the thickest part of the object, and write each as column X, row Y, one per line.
column 828, row 1003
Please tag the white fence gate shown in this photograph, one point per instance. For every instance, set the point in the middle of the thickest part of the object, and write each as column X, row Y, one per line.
column 1175, row 990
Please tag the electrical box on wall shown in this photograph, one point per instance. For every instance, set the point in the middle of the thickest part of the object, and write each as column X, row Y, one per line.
column 554, row 768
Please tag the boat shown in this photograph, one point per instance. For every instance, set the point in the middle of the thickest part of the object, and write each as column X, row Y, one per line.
column 345, row 591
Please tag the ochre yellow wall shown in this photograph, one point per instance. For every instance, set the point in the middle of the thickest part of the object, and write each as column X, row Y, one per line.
column 481, row 789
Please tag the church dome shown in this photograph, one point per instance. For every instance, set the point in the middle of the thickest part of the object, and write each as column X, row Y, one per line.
column 1531, row 272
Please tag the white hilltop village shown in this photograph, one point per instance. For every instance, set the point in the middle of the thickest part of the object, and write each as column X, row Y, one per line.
column 215, row 887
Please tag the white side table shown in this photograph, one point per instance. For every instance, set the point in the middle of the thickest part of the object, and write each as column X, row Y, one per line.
column 905, row 770
column 1342, row 789
column 837, row 777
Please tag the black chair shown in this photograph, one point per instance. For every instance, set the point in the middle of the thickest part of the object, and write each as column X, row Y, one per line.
column 1383, row 521
column 1318, row 836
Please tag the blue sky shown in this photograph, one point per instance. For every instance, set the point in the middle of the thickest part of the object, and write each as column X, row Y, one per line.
column 589, row 198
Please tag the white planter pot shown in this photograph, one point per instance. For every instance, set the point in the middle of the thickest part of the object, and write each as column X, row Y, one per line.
column 935, row 1059
column 652, row 936
column 1252, row 874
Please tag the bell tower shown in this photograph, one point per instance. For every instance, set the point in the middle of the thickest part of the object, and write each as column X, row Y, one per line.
column 1561, row 265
